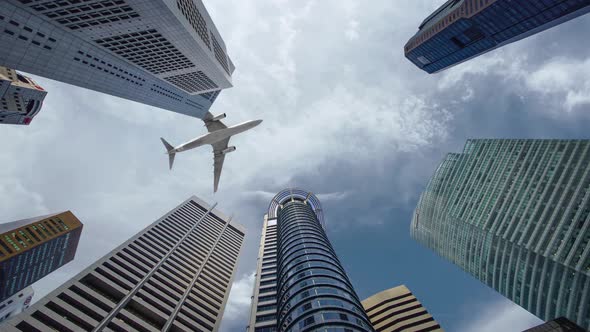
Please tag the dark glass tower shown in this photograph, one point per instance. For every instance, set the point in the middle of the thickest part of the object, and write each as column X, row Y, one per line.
column 300, row 284
column 463, row 29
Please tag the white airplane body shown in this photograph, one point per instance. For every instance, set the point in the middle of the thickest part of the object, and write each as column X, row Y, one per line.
column 218, row 137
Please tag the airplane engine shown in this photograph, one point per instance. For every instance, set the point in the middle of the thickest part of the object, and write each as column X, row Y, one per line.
column 219, row 117
column 229, row 149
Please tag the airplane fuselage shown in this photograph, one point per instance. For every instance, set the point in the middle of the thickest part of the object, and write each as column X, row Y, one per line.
column 217, row 136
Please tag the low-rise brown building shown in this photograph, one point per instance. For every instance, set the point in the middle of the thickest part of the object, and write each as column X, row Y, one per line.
column 397, row 309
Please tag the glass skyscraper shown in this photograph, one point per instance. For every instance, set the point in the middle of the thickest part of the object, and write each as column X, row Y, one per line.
column 300, row 283
column 516, row 215
column 462, row 29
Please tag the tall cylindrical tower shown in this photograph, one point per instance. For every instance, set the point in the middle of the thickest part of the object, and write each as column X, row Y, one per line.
column 313, row 290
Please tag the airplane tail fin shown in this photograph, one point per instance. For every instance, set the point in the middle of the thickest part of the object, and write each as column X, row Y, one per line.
column 170, row 152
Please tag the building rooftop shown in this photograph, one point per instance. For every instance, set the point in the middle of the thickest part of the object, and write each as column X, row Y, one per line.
column 441, row 12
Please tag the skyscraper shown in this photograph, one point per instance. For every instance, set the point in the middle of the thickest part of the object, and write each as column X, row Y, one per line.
column 163, row 53
column 174, row 275
column 515, row 214
column 560, row 324
column 32, row 248
column 20, row 97
column 16, row 304
column 463, row 29
column 300, row 283
column 397, row 309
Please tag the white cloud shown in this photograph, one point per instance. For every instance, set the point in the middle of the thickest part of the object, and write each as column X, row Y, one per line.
column 503, row 63
column 352, row 32
column 267, row 196
column 24, row 202
column 564, row 77
column 336, row 196
column 237, row 309
column 502, row 316
column 469, row 94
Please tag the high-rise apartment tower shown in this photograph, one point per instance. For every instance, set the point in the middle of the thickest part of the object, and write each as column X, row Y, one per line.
column 20, row 97
column 300, row 283
column 462, row 29
column 175, row 275
column 397, row 309
column 515, row 214
column 163, row 53
column 32, row 248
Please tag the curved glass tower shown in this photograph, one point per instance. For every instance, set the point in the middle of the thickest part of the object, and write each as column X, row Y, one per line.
column 309, row 289
column 515, row 214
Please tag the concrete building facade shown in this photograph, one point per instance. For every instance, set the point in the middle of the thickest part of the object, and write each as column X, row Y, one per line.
column 163, row 53
column 175, row 275
column 397, row 309
column 300, row 284
column 515, row 214
column 463, row 29
column 16, row 304
column 32, row 248
column 20, row 97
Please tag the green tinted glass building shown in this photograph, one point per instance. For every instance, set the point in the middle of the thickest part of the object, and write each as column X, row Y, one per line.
column 515, row 214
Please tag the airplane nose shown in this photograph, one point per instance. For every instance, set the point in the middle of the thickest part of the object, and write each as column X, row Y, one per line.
column 257, row 122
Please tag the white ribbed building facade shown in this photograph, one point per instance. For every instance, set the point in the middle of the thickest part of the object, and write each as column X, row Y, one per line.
column 175, row 275
column 516, row 215
column 163, row 53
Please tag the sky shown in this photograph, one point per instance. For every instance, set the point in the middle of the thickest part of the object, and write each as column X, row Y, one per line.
column 345, row 115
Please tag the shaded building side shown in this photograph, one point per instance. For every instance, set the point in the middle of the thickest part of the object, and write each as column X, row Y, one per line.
column 560, row 324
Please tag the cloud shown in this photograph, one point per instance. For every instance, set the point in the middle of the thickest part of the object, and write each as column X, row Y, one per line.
column 25, row 202
column 237, row 310
column 267, row 196
column 337, row 196
column 561, row 81
column 566, row 78
column 502, row 316
column 352, row 32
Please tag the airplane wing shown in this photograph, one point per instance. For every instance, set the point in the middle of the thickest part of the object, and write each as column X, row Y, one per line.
column 214, row 125
column 218, row 158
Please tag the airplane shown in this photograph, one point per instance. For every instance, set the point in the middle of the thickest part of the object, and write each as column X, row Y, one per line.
column 218, row 136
